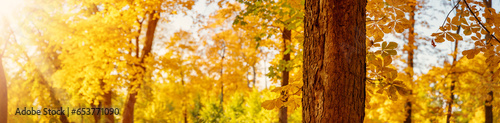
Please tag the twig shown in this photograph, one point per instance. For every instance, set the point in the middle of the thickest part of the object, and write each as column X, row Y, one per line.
column 465, row 1
column 456, row 5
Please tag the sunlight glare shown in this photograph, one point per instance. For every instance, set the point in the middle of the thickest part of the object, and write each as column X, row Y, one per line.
column 8, row 8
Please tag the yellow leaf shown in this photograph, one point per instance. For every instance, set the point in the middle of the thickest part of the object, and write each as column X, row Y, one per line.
column 392, row 45
column 449, row 37
column 392, row 93
column 455, row 20
column 268, row 104
column 470, row 53
column 387, row 60
column 456, row 36
column 467, row 31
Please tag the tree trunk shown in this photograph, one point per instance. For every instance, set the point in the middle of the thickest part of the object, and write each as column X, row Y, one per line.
column 107, row 103
column 287, row 35
column 222, row 76
column 184, row 108
column 411, row 47
column 334, row 61
column 450, row 102
column 128, row 111
column 254, row 75
column 452, row 85
column 488, row 107
column 3, row 94
column 57, row 103
column 52, row 94
column 43, row 81
column 97, row 117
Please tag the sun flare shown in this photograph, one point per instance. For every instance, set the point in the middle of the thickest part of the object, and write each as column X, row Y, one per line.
column 9, row 8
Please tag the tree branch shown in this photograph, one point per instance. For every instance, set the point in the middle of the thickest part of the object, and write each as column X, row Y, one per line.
column 480, row 23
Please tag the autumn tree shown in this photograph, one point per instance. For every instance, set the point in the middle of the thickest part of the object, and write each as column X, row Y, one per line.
column 410, row 50
column 334, row 61
column 469, row 19
column 488, row 107
column 285, row 17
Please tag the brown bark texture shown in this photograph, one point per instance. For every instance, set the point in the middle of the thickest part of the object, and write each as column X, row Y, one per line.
column 287, row 36
column 107, row 103
column 97, row 117
column 488, row 108
column 3, row 95
column 452, row 85
column 334, row 61
column 411, row 47
column 128, row 111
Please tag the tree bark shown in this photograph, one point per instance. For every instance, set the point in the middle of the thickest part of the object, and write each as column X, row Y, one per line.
column 97, row 117
column 3, row 94
column 222, row 76
column 128, row 112
column 334, row 61
column 488, row 108
column 411, row 47
column 452, row 85
column 184, row 108
column 254, row 76
column 287, row 36
column 107, row 103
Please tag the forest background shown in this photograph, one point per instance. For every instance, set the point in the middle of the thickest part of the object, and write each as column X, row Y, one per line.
column 240, row 60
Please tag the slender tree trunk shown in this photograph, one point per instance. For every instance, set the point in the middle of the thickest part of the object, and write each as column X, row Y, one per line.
column 57, row 103
column 222, row 77
column 184, row 108
column 3, row 94
column 411, row 47
column 265, row 72
column 334, row 61
column 450, row 102
column 107, row 103
column 43, row 81
column 52, row 94
column 248, row 80
column 488, row 108
column 97, row 117
column 4, row 100
column 128, row 111
column 287, row 35
column 254, row 75
column 452, row 86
